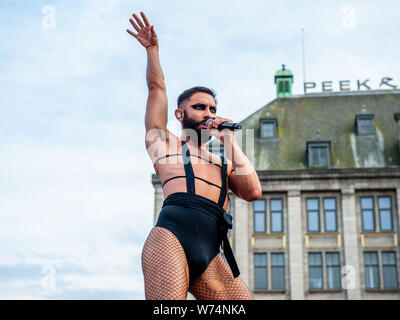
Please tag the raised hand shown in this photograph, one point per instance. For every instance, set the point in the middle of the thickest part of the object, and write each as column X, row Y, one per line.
column 145, row 33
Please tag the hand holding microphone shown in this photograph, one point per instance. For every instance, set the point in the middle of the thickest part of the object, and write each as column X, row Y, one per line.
column 225, row 125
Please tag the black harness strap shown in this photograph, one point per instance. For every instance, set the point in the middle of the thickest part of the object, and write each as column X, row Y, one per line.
column 222, row 194
column 226, row 223
column 172, row 179
column 210, row 183
column 204, row 180
column 188, row 168
column 192, row 155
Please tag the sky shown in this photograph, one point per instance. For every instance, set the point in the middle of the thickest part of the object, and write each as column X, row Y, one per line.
column 76, row 199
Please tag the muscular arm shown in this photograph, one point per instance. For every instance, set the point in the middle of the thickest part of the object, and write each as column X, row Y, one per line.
column 243, row 179
column 157, row 104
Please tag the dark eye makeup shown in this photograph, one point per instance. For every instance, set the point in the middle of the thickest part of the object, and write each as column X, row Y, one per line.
column 200, row 106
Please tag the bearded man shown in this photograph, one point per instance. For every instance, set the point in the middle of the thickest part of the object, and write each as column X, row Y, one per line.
column 182, row 251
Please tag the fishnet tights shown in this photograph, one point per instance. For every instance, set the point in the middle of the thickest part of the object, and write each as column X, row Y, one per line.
column 218, row 283
column 166, row 273
column 165, row 269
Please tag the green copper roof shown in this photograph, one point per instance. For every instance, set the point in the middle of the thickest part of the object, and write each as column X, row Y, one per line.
column 333, row 115
column 283, row 72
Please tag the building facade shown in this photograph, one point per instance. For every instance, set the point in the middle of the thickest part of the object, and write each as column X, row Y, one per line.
column 327, row 224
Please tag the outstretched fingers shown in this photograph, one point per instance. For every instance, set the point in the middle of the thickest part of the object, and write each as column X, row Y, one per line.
column 131, row 33
column 139, row 22
column 145, row 33
column 134, row 25
column 147, row 23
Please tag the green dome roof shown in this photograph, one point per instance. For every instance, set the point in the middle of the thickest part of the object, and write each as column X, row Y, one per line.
column 283, row 72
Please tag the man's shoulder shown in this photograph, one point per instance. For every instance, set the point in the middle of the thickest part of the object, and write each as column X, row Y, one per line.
column 160, row 142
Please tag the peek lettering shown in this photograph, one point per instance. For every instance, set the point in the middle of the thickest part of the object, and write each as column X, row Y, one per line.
column 348, row 85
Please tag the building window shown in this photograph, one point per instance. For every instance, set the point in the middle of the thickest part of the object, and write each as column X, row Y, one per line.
column 312, row 214
column 330, row 214
column 389, row 268
column 376, row 208
column 319, row 156
column 268, row 127
column 273, row 215
column 283, row 86
column 276, row 208
column 277, row 271
column 385, row 213
column 318, row 153
column 315, row 270
column 260, row 271
column 371, row 270
column 367, row 213
column 332, row 270
column 364, row 124
column 259, row 216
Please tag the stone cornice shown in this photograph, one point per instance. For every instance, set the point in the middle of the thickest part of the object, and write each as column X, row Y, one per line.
column 328, row 174
column 320, row 174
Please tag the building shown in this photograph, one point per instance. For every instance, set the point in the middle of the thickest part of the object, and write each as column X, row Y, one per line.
column 327, row 225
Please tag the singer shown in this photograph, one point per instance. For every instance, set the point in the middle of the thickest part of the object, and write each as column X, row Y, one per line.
column 182, row 251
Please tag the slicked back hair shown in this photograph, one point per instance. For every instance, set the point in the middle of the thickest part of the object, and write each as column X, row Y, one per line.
column 185, row 95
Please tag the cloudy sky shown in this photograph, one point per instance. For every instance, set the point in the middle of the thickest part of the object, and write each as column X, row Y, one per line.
column 76, row 200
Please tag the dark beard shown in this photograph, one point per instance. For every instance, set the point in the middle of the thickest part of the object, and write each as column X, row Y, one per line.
column 202, row 135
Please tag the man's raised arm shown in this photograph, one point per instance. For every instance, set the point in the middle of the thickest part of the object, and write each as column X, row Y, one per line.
column 157, row 103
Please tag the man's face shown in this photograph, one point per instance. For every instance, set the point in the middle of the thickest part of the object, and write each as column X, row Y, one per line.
column 198, row 109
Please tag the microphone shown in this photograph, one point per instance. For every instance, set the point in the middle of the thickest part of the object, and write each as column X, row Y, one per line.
column 226, row 125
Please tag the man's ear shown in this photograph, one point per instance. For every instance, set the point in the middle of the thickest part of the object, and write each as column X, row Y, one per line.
column 179, row 114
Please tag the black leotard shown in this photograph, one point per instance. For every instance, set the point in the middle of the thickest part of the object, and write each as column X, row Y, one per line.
column 200, row 224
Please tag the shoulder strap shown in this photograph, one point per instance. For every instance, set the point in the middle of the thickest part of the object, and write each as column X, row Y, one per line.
column 188, row 168
column 222, row 194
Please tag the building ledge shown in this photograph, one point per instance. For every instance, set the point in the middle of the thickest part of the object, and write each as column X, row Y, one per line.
column 325, row 290
column 328, row 173
column 382, row 290
column 274, row 291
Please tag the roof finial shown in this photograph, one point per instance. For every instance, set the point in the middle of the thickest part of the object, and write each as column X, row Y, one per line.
column 283, row 67
column 363, row 108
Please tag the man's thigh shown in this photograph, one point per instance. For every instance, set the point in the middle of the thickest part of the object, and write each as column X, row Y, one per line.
column 218, row 283
column 165, row 269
